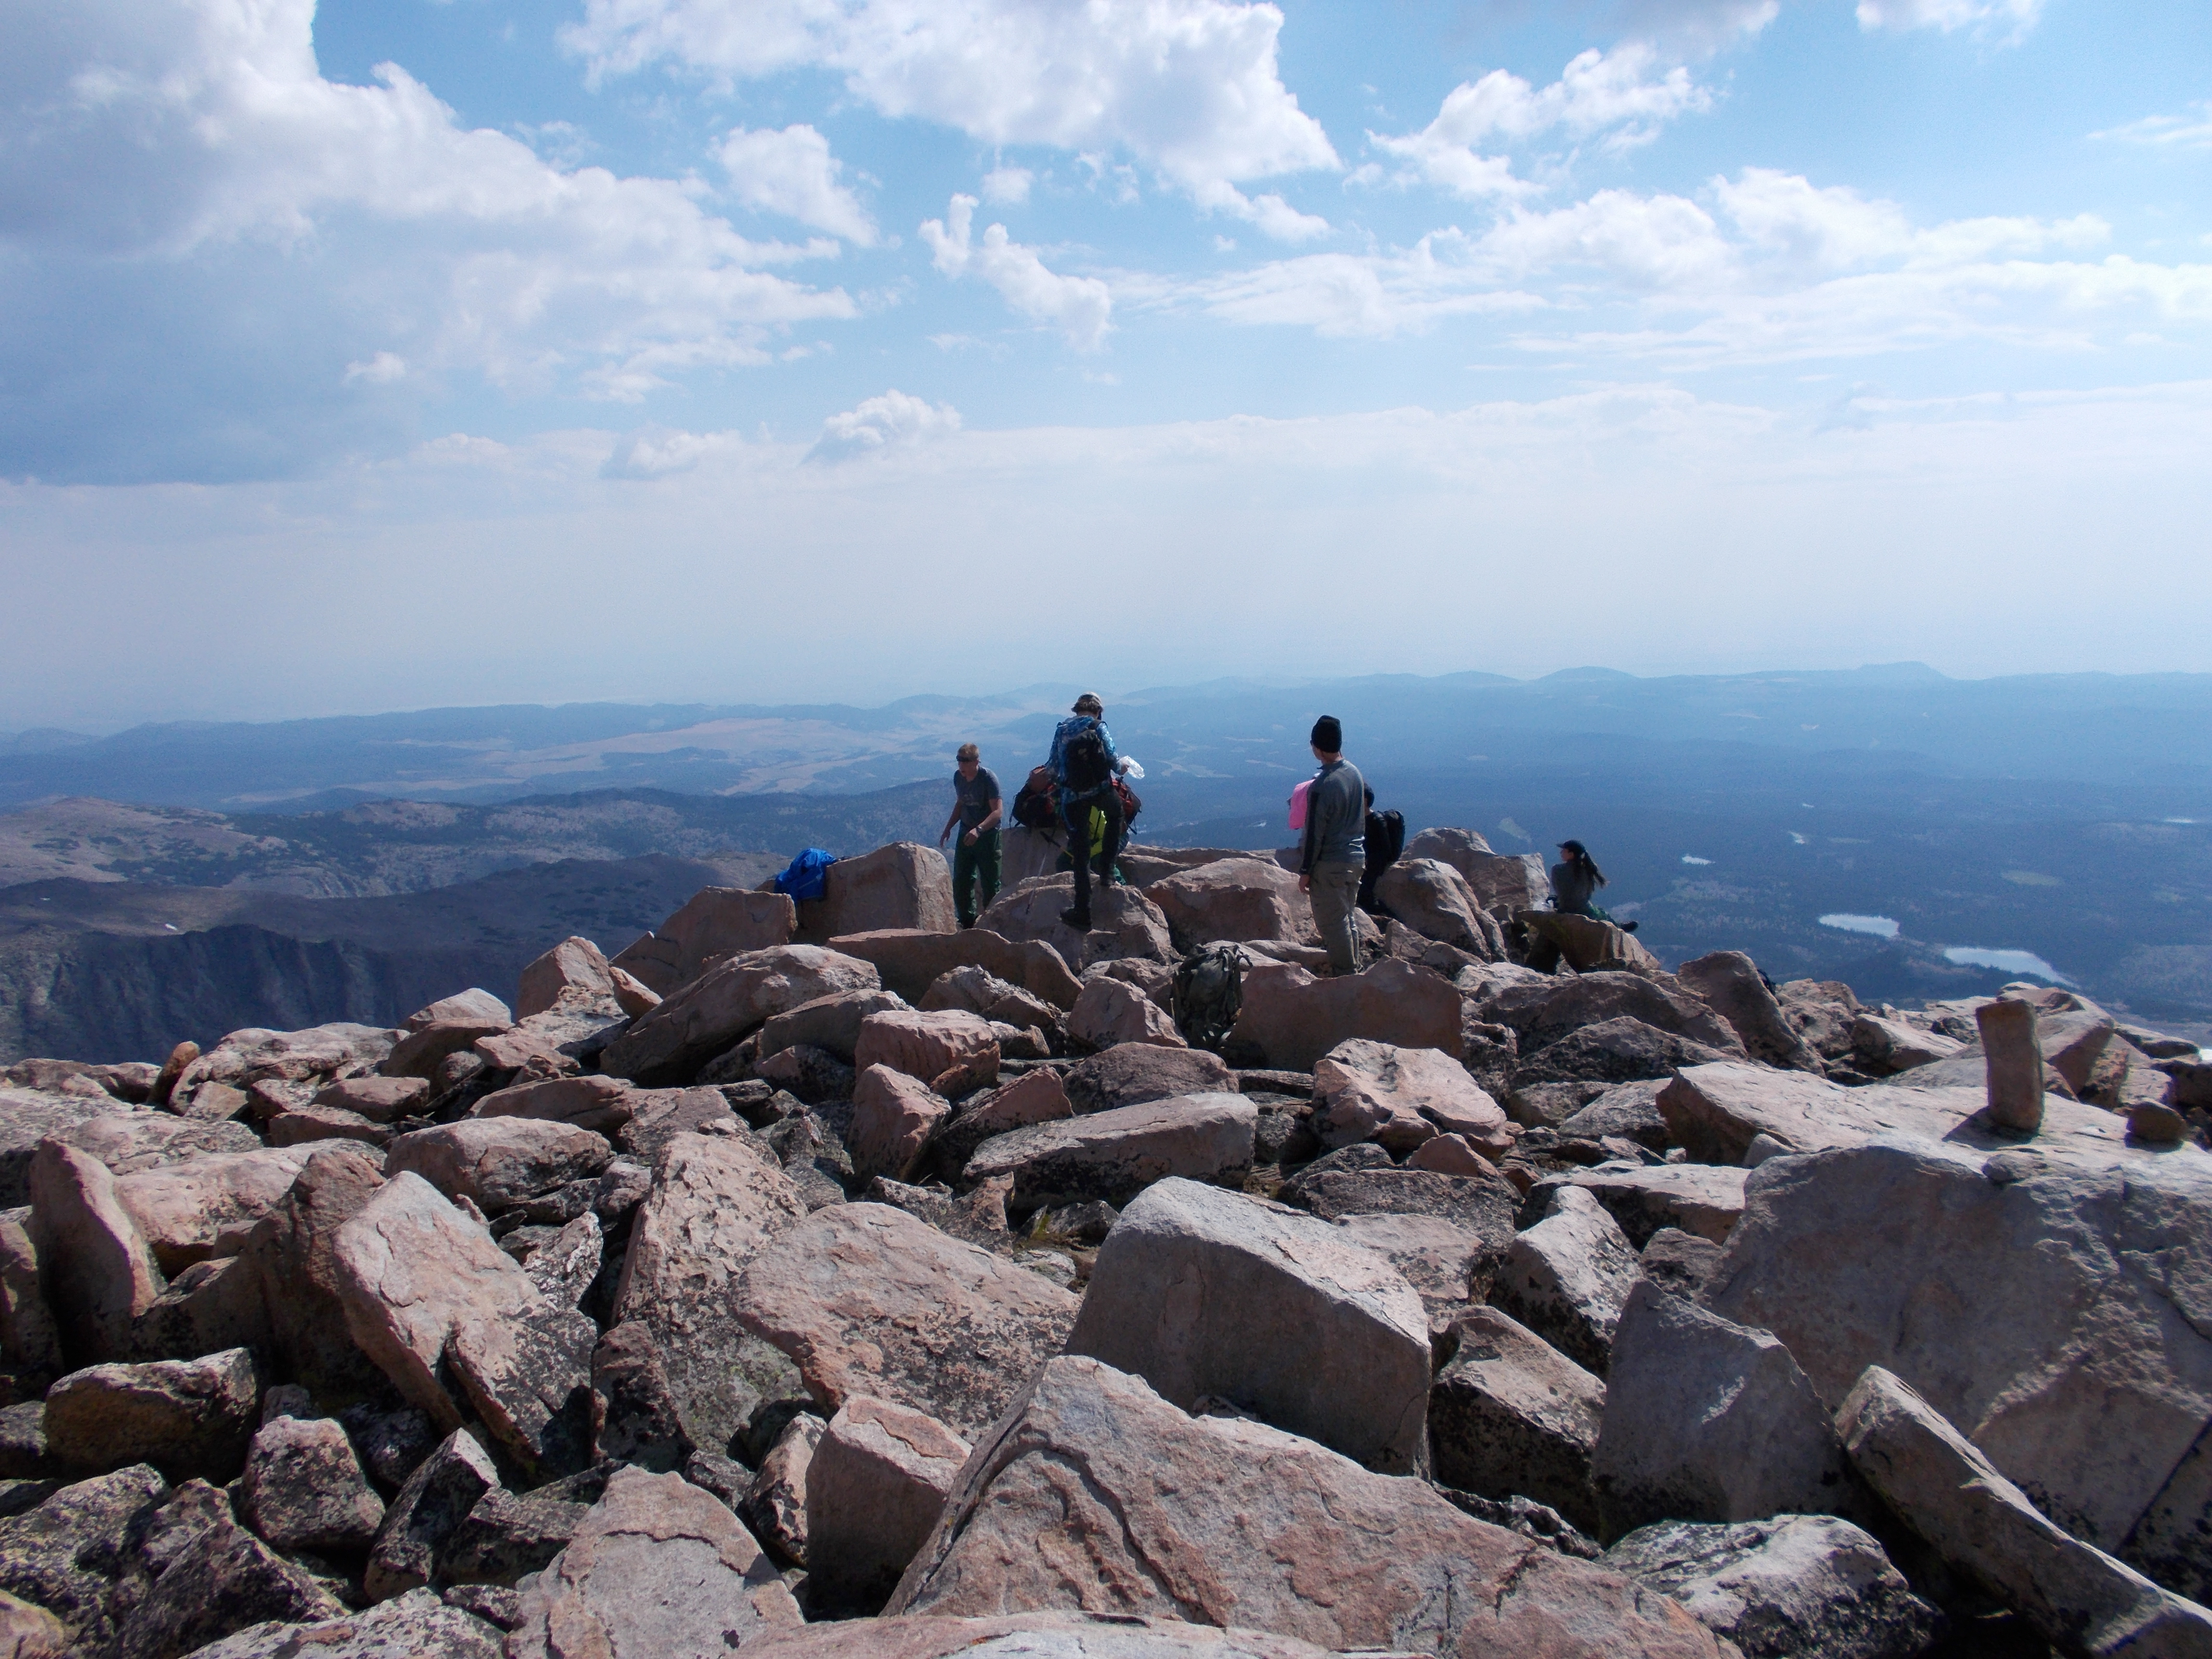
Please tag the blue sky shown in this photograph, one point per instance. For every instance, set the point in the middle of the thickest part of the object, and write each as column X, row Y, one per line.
column 396, row 352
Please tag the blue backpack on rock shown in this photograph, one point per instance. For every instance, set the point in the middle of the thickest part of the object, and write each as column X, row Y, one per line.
column 807, row 876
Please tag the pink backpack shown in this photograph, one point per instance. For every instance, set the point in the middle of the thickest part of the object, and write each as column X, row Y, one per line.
column 1298, row 804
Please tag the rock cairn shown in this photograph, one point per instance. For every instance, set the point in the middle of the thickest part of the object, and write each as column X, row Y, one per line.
column 821, row 1281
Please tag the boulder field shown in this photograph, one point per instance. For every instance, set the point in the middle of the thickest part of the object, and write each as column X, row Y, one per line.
column 822, row 1279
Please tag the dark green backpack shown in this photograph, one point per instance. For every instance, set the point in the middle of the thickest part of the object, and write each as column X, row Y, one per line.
column 1209, row 991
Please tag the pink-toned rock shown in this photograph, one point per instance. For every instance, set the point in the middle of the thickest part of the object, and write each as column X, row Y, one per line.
column 205, row 1207
column 498, row 1161
column 601, row 1104
column 98, row 1273
column 420, row 1054
column 186, row 1417
column 714, row 922
column 1094, row 1493
column 131, row 1142
column 706, row 1016
column 1110, row 1012
column 1366, row 1091
column 659, row 1569
column 875, row 1488
column 714, row 1203
column 292, row 1255
column 1587, row 944
column 1036, row 1096
column 923, row 1636
column 1450, row 1155
column 30, row 1339
column 905, row 884
column 953, row 1052
column 867, row 1299
column 378, row 1099
column 303, row 1126
column 1434, row 900
column 1124, row 923
column 411, row 1270
column 573, row 974
column 831, row 1022
column 632, row 994
column 474, row 1005
column 1240, row 898
column 1113, row 1156
column 1292, row 1020
column 774, row 1506
column 513, row 1049
column 911, row 960
column 892, row 1116
column 980, row 991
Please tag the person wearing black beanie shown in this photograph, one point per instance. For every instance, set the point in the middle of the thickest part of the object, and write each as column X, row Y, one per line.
column 1334, row 856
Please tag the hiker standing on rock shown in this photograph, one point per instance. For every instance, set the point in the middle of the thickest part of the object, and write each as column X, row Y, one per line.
column 1084, row 763
column 1333, row 856
column 1575, row 881
column 977, row 810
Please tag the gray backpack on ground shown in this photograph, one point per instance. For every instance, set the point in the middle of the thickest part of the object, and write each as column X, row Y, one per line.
column 1209, row 992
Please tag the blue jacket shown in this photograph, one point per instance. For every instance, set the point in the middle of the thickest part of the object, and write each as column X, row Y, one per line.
column 1062, row 734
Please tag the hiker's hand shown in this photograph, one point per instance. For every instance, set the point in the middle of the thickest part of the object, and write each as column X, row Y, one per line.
column 968, row 840
column 943, row 835
column 1305, row 884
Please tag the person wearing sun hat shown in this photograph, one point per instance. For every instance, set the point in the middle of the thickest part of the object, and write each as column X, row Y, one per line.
column 1333, row 855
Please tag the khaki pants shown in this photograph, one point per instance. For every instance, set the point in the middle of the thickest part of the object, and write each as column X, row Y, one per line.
column 1335, row 896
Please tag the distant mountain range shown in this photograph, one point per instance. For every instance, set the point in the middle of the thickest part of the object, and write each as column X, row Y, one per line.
column 2151, row 728
column 2068, row 818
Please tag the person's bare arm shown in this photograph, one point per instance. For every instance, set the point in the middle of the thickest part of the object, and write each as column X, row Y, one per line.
column 991, row 820
column 952, row 818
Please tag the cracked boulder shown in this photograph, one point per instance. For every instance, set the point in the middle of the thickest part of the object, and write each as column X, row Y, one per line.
column 1212, row 1294
column 875, row 1486
column 1568, row 1277
column 1511, row 1416
column 1094, row 1494
column 867, row 1299
column 1113, row 1156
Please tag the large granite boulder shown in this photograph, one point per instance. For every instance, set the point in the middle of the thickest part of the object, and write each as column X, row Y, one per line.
column 496, row 1163
column 706, row 1017
column 1290, row 1018
column 1795, row 1587
column 1568, row 1278
column 1510, row 1415
column 186, row 1417
column 95, row 1270
column 831, row 1022
column 1506, row 882
column 1204, row 1293
column 1110, row 1013
column 205, row 1206
column 2056, row 1312
column 714, row 922
column 953, row 1051
column 1705, row 1421
column 658, row 1567
column 1235, row 899
column 1400, row 1098
column 1130, row 1074
column 1434, row 900
column 1730, row 984
column 1093, row 1493
column 919, row 1636
column 572, row 975
column 1125, row 924
column 1984, row 1527
column 1705, row 1199
column 911, row 960
column 1113, row 1156
column 876, row 1483
column 1623, row 1049
column 714, row 1204
column 867, row 1299
column 904, row 884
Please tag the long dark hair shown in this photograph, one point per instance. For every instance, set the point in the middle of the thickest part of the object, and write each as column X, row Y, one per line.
column 1578, row 858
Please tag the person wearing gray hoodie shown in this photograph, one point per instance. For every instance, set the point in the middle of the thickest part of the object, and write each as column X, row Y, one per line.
column 1334, row 856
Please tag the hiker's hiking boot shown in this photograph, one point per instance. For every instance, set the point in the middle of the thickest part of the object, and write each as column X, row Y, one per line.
column 1078, row 919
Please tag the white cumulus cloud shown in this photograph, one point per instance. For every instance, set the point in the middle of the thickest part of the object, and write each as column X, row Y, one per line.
column 1190, row 88
column 794, row 173
column 1081, row 307
column 1006, row 186
column 894, row 421
column 1627, row 94
column 246, row 256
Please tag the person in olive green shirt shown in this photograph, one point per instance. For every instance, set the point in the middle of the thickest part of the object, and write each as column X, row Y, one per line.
column 977, row 810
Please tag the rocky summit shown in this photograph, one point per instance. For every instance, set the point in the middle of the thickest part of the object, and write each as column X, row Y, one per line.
column 820, row 1279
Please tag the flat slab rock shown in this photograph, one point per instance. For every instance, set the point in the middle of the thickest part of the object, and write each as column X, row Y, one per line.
column 1718, row 1110
column 1114, row 1155
column 867, row 1299
column 1031, row 1636
column 1097, row 1495
column 1204, row 1292
column 1705, row 1199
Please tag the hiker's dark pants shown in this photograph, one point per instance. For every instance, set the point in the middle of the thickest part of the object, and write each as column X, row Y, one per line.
column 1076, row 815
column 970, row 866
